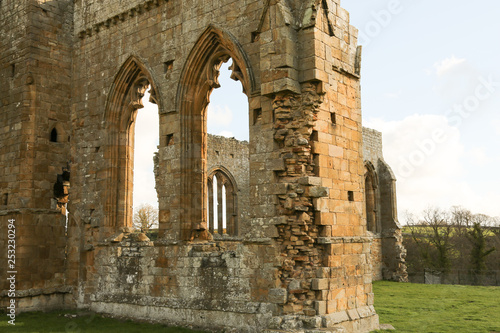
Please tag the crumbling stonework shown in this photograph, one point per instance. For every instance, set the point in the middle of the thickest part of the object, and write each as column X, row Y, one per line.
column 387, row 251
column 299, row 260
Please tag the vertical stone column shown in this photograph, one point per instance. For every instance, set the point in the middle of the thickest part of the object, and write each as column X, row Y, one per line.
column 220, row 225
column 230, row 214
column 211, row 205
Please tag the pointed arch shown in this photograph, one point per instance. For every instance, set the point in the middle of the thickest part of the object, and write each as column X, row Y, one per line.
column 57, row 132
column 198, row 78
column 124, row 99
column 224, row 179
column 371, row 185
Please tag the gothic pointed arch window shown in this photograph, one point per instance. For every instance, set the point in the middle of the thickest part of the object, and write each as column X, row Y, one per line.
column 124, row 101
column 222, row 203
column 199, row 78
column 53, row 135
column 371, row 184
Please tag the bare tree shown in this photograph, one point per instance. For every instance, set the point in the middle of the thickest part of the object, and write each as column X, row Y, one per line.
column 145, row 217
column 457, row 243
column 432, row 238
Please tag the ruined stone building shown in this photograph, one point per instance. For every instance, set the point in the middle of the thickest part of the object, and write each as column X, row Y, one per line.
column 72, row 78
column 229, row 158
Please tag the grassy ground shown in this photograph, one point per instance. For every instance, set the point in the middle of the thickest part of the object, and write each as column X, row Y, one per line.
column 408, row 307
column 63, row 322
column 438, row 308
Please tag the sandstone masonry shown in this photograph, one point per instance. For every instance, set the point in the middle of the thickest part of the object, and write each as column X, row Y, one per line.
column 72, row 77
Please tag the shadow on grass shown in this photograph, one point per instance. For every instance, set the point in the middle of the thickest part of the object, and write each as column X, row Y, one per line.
column 79, row 322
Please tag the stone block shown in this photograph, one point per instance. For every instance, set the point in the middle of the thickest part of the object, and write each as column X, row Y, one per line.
column 353, row 314
column 333, row 319
column 277, row 295
column 319, row 284
column 320, row 307
column 314, row 322
column 275, row 165
column 317, row 192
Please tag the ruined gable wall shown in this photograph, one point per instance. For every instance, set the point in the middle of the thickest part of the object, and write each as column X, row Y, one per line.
column 387, row 251
column 305, row 259
column 168, row 280
column 372, row 152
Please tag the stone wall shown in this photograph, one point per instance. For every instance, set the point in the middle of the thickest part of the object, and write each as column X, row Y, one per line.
column 387, row 251
column 35, row 79
column 231, row 156
column 303, row 260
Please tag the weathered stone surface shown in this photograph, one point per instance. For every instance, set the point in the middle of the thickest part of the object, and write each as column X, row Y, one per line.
column 73, row 76
column 387, row 327
column 387, row 251
column 333, row 319
column 278, row 295
column 319, row 284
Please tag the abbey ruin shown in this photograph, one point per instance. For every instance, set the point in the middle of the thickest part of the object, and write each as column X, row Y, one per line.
column 310, row 203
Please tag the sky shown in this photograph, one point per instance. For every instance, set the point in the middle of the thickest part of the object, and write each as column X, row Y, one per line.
column 430, row 79
column 227, row 111
column 431, row 84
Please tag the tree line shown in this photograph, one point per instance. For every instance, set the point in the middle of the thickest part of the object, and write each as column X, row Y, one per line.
column 445, row 242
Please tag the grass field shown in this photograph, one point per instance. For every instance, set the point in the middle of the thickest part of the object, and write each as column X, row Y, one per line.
column 438, row 308
column 408, row 307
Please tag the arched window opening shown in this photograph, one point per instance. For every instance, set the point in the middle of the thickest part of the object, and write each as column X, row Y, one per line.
column 222, row 208
column 371, row 200
column 53, row 135
column 125, row 101
column 146, row 141
column 227, row 113
column 201, row 74
column 227, row 116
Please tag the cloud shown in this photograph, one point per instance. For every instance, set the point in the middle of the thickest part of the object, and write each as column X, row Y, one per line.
column 477, row 156
column 219, row 116
column 447, row 64
column 456, row 79
column 419, row 143
column 227, row 134
column 424, row 153
column 432, row 170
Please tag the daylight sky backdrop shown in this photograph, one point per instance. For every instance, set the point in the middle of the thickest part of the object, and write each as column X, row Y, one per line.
column 430, row 83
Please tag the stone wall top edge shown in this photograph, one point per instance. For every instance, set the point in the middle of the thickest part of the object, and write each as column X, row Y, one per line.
column 371, row 131
column 90, row 17
column 221, row 139
column 20, row 211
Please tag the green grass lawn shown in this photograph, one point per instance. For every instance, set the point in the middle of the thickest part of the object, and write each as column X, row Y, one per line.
column 408, row 307
column 423, row 308
column 56, row 322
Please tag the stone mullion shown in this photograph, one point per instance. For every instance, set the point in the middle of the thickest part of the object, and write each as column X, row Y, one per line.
column 211, row 205
column 229, row 210
column 220, row 226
